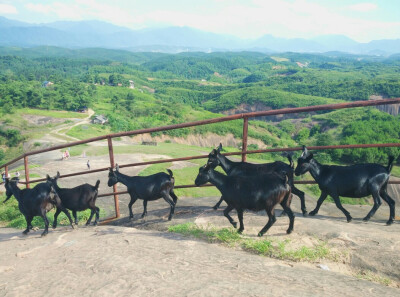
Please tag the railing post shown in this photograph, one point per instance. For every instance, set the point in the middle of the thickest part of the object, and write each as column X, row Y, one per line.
column 26, row 172
column 244, row 141
column 111, row 154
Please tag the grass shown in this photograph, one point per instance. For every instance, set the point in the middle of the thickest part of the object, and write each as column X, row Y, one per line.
column 271, row 248
column 88, row 130
column 52, row 113
column 373, row 277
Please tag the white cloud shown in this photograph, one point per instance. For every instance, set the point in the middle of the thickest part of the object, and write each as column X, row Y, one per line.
column 38, row 8
column 298, row 18
column 8, row 9
column 363, row 7
column 243, row 18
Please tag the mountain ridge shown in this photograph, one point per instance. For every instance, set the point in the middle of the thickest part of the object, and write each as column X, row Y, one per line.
column 94, row 33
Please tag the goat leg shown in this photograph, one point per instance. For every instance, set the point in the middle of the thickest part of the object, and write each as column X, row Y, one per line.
column 75, row 217
column 171, row 204
column 319, row 203
column 377, row 203
column 290, row 214
column 216, row 206
column 133, row 200
column 391, row 204
column 28, row 225
column 240, row 217
column 96, row 221
column 227, row 210
column 92, row 211
column 300, row 194
column 46, row 223
column 64, row 210
column 173, row 195
column 339, row 205
column 144, row 209
column 58, row 210
column 271, row 221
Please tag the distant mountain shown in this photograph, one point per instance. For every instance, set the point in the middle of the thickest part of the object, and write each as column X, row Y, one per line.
column 337, row 42
column 89, row 34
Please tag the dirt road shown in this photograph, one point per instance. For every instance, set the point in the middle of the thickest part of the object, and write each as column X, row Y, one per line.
column 139, row 258
column 120, row 261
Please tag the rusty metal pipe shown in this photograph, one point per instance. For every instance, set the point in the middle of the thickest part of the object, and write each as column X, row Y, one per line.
column 218, row 120
column 244, row 140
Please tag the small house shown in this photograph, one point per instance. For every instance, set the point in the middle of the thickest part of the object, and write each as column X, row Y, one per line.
column 46, row 84
column 99, row 119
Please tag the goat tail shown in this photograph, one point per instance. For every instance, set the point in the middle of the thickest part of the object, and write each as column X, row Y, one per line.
column 289, row 157
column 390, row 164
column 97, row 185
column 170, row 173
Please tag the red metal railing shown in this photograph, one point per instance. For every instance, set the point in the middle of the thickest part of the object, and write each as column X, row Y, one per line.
column 243, row 153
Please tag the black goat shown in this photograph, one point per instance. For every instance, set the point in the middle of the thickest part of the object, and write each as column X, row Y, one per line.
column 232, row 168
column 355, row 181
column 77, row 199
column 256, row 193
column 37, row 202
column 147, row 188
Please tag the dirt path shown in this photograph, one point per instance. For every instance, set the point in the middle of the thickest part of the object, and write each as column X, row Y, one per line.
column 119, row 261
column 59, row 134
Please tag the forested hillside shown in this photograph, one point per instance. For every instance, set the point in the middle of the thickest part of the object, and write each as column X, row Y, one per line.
column 141, row 90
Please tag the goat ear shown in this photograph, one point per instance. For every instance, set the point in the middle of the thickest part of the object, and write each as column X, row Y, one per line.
column 305, row 151
column 110, row 169
column 48, row 177
column 58, row 174
column 219, row 148
column 309, row 157
column 117, row 167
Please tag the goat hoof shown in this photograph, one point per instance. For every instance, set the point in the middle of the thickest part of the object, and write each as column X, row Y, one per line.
column 305, row 213
column 313, row 213
column 366, row 219
column 234, row 224
column 288, row 231
column 44, row 234
column 260, row 234
column 25, row 232
column 349, row 219
column 388, row 223
column 215, row 208
column 240, row 231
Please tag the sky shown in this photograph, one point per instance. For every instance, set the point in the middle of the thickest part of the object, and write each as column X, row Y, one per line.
column 362, row 21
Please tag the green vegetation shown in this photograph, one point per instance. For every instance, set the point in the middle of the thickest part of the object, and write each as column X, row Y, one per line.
column 271, row 248
column 374, row 277
column 172, row 89
column 87, row 130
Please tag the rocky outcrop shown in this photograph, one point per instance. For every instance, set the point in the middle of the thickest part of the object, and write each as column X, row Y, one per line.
column 244, row 107
column 393, row 109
